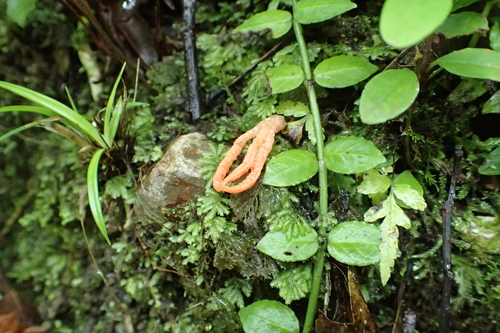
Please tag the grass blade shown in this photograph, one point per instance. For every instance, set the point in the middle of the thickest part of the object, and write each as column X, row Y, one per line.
column 29, row 108
column 93, row 190
column 60, row 109
column 109, row 132
column 115, row 119
column 27, row 126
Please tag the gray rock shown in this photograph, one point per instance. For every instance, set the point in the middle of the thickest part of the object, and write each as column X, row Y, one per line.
column 174, row 180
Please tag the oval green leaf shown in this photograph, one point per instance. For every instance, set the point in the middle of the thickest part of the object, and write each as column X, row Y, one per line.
column 268, row 317
column 471, row 62
column 355, row 243
column 406, row 23
column 462, row 24
column 279, row 21
column 284, row 78
column 275, row 244
column 343, row 71
column 313, row 11
column 352, row 155
column 387, row 95
column 290, row 168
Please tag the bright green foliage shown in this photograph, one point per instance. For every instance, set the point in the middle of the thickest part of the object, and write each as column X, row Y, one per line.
column 300, row 247
column 374, row 182
column 457, row 4
column 493, row 104
column 234, row 290
column 406, row 177
column 406, row 23
column 343, row 71
column 268, row 317
column 293, row 283
column 279, row 21
column 491, row 165
column 352, row 155
column 355, row 243
column 467, row 91
column 393, row 216
column 313, row 11
column 93, row 189
column 464, row 23
column 290, row 168
column 284, row 78
column 18, row 10
column 471, row 62
column 292, row 109
column 495, row 36
column 387, row 95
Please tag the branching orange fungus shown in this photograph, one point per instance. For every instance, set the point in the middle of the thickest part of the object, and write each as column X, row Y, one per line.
column 254, row 160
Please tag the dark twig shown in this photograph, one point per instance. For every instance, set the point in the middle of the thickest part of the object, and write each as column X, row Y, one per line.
column 195, row 106
column 448, row 272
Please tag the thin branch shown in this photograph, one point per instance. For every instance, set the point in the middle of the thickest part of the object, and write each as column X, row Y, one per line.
column 195, row 102
column 447, row 269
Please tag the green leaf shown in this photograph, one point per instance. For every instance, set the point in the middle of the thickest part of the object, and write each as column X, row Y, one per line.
column 93, row 190
column 407, row 178
column 471, row 62
column 409, row 196
column 290, row 168
column 268, row 317
column 389, row 248
column 457, row 4
column 387, row 95
column 491, row 165
column 27, row 126
column 461, row 24
column 284, row 78
column 352, row 155
column 343, row 71
column 279, row 21
column 355, row 243
column 275, row 244
column 292, row 109
column 406, row 23
column 112, row 114
column 294, row 283
column 76, row 120
column 373, row 182
column 493, row 104
column 495, row 36
column 467, row 91
column 389, row 234
column 313, row 11
column 18, row 10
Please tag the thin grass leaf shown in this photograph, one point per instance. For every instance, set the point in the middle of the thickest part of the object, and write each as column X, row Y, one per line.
column 110, row 128
column 29, row 108
column 131, row 105
column 115, row 119
column 73, row 105
column 27, row 126
column 93, row 189
column 77, row 120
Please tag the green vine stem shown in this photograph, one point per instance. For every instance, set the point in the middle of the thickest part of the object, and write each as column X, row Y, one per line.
column 323, row 186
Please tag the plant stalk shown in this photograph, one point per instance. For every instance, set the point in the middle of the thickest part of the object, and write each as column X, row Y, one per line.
column 323, row 185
